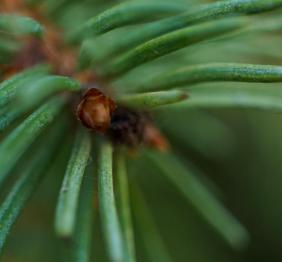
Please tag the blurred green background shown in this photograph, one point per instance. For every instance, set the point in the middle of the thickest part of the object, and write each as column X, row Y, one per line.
column 237, row 152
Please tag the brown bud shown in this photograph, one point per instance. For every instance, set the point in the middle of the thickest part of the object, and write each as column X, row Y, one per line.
column 94, row 110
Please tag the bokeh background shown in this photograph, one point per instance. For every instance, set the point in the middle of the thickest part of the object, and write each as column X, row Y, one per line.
column 237, row 153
